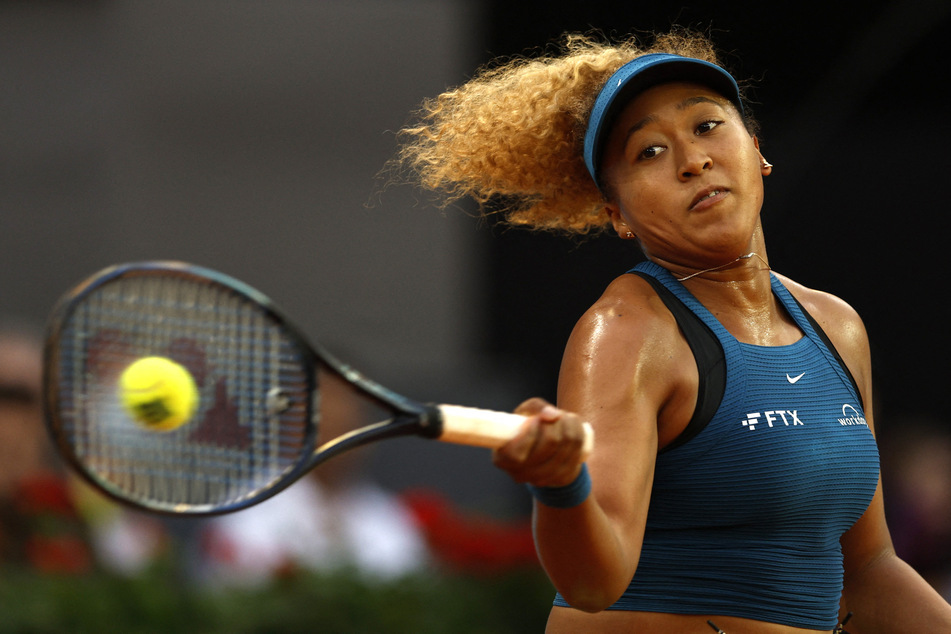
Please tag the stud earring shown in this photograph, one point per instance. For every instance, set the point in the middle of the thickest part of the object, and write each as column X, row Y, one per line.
column 766, row 164
column 628, row 235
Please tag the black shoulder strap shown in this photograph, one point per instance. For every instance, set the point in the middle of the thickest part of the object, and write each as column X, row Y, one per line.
column 711, row 362
column 828, row 343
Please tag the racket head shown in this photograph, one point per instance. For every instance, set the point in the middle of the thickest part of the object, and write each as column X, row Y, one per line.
column 256, row 426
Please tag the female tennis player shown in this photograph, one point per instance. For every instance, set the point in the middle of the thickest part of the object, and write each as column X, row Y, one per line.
column 734, row 485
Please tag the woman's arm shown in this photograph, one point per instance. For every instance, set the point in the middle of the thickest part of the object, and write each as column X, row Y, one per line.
column 623, row 372
column 883, row 593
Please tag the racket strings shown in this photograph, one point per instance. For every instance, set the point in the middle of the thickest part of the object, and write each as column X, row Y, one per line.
column 236, row 445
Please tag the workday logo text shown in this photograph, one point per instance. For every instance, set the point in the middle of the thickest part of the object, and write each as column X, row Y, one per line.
column 852, row 416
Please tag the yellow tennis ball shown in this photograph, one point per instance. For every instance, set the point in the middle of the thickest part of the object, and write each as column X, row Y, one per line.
column 158, row 393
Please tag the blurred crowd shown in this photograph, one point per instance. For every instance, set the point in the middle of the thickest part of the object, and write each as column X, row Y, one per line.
column 39, row 526
column 334, row 518
column 337, row 517
column 916, row 465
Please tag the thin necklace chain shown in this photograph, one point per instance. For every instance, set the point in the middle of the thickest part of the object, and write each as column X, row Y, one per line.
column 723, row 266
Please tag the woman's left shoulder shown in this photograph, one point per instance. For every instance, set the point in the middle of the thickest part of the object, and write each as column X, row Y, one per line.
column 837, row 317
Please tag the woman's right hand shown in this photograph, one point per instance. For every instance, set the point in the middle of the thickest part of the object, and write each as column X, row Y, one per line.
column 549, row 448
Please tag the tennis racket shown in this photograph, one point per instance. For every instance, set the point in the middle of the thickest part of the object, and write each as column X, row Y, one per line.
column 264, row 392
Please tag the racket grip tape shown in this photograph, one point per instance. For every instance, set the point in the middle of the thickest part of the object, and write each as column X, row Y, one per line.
column 488, row 428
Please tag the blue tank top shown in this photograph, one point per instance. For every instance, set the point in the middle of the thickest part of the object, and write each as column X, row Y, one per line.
column 745, row 517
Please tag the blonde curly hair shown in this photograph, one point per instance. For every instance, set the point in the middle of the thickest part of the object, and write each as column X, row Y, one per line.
column 511, row 138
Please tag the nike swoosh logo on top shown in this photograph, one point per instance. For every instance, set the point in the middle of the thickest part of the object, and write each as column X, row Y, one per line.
column 793, row 379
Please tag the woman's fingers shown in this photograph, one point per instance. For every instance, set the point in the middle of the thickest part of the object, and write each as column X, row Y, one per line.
column 547, row 450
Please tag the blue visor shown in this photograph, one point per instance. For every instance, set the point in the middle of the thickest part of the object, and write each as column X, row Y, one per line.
column 635, row 77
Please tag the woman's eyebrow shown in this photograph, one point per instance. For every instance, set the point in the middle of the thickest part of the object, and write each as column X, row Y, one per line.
column 637, row 126
column 693, row 101
column 683, row 105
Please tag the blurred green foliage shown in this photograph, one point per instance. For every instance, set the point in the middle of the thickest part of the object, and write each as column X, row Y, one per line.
column 344, row 602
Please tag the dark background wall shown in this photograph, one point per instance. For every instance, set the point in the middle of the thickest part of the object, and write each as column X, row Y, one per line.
column 246, row 136
column 850, row 98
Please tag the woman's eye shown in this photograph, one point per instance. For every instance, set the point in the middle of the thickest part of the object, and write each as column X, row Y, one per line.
column 651, row 151
column 707, row 126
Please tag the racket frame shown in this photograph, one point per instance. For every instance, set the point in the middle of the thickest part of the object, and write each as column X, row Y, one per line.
column 411, row 418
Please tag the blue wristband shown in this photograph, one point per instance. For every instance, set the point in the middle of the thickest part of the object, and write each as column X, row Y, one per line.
column 567, row 496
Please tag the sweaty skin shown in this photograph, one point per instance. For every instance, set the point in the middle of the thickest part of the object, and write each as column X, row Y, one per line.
column 685, row 179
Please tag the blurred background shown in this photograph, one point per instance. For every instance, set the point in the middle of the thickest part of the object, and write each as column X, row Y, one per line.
column 247, row 136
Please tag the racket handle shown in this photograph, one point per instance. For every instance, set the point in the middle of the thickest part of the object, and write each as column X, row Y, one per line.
column 488, row 428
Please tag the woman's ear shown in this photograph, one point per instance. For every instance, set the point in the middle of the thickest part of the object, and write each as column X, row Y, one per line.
column 617, row 221
column 765, row 166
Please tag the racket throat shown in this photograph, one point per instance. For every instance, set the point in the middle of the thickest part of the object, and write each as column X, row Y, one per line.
column 427, row 422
